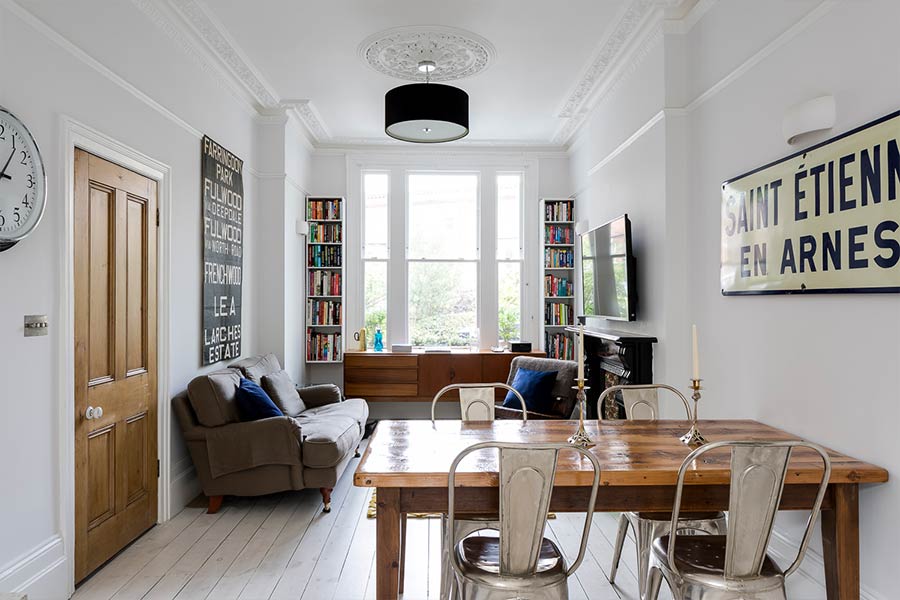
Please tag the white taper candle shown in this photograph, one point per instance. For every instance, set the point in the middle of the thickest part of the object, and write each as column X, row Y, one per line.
column 696, row 353
column 581, row 352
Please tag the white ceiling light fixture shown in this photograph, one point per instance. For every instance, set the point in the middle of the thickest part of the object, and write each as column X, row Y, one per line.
column 427, row 112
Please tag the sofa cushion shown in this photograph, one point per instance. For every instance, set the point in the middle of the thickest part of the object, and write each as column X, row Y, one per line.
column 355, row 408
column 255, row 368
column 213, row 395
column 536, row 388
column 281, row 390
column 328, row 440
column 253, row 402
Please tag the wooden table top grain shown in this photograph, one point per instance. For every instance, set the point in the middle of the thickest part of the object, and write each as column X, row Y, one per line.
column 418, row 453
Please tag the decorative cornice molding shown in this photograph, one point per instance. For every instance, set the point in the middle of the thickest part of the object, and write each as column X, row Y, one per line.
column 223, row 46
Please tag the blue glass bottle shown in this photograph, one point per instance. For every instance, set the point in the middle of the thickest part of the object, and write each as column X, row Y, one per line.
column 379, row 341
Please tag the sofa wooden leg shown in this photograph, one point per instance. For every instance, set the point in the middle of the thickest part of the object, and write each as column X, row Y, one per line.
column 215, row 503
column 326, row 498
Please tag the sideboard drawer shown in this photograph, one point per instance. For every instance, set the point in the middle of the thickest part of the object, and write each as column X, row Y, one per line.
column 359, row 360
column 381, row 390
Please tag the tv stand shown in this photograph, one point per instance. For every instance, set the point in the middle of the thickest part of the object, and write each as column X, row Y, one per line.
column 615, row 358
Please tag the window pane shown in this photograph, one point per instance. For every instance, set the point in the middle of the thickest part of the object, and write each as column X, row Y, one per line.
column 509, row 219
column 375, row 299
column 375, row 215
column 443, row 303
column 509, row 277
column 443, row 216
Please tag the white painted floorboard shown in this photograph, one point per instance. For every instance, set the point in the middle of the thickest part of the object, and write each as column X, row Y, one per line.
column 284, row 546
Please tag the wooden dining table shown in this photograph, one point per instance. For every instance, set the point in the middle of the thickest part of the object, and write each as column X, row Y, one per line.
column 408, row 461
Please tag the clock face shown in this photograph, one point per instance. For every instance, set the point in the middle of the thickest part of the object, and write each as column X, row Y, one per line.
column 23, row 186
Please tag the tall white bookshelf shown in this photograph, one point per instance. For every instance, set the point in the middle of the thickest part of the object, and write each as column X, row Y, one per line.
column 558, row 241
column 325, row 284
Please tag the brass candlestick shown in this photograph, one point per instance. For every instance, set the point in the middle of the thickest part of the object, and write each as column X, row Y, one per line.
column 580, row 438
column 693, row 437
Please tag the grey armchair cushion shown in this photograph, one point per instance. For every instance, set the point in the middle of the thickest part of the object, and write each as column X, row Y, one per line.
column 212, row 397
column 319, row 395
column 281, row 390
column 255, row 368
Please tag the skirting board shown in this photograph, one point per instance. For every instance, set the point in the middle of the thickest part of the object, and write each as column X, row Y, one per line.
column 784, row 550
column 40, row 573
column 184, row 487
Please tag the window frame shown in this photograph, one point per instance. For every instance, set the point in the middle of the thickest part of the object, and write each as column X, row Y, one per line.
column 478, row 230
column 521, row 256
column 362, row 251
column 486, row 165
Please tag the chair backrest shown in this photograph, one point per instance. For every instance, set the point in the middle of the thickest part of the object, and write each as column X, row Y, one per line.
column 758, row 472
column 527, row 473
column 641, row 401
column 476, row 400
column 563, row 391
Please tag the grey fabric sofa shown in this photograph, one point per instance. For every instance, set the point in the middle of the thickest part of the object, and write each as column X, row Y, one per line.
column 309, row 447
column 563, row 394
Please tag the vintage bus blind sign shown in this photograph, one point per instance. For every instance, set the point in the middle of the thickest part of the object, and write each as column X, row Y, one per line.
column 222, row 193
column 823, row 220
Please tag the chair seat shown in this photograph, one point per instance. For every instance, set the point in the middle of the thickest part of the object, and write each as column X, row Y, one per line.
column 479, row 557
column 682, row 516
column 703, row 555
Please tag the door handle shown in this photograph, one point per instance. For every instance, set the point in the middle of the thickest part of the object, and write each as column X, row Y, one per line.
column 92, row 412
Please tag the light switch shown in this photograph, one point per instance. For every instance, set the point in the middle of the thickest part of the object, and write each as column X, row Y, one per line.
column 36, row 325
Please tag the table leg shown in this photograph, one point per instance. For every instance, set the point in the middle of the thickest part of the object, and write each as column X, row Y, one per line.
column 387, row 546
column 840, row 543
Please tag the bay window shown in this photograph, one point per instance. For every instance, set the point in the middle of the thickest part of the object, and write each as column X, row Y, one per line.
column 442, row 255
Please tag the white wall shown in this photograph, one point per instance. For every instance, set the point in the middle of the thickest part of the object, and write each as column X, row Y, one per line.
column 158, row 101
column 822, row 367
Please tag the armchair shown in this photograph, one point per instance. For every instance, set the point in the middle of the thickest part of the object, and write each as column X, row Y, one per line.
column 563, row 392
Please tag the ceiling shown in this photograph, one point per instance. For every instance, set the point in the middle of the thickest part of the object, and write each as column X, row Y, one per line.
column 549, row 57
column 309, row 50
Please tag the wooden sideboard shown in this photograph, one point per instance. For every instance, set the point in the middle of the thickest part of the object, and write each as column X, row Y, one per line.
column 418, row 376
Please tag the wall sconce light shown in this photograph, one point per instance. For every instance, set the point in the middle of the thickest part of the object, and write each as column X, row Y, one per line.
column 811, row 116
column 302, row 227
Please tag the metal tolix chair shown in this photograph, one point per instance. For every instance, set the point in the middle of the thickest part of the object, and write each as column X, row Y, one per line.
column 476, row 403
column 735, row 566
column 642, row 403
column 518, row 562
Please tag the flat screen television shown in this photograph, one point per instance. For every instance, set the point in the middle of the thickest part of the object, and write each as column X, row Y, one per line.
column 607, row 271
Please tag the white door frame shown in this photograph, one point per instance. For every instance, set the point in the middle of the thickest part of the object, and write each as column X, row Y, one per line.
column 77, row 135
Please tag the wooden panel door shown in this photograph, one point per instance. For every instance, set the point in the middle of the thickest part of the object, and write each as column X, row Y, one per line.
column 115, row 359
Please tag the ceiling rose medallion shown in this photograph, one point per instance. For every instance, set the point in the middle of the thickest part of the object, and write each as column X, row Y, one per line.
column 426, row 113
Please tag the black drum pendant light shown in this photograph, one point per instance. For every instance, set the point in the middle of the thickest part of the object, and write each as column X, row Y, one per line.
column 426, row 113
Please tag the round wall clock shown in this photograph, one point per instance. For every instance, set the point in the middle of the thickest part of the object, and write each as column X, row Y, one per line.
column 23, row 182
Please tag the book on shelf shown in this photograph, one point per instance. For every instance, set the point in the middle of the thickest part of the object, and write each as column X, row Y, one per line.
column 559, row 346
column 558, row 234
column 323, row 210
column 324, row 312
column 325, row 283
column 323, row 347
column 559, row 258
column 557, row 286
column 558, row 313
column 324, row 256
column 557, row 210
column 325, row 233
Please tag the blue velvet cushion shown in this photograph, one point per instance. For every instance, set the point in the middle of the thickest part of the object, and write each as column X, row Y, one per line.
column 253, row 402
column 536, row 388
